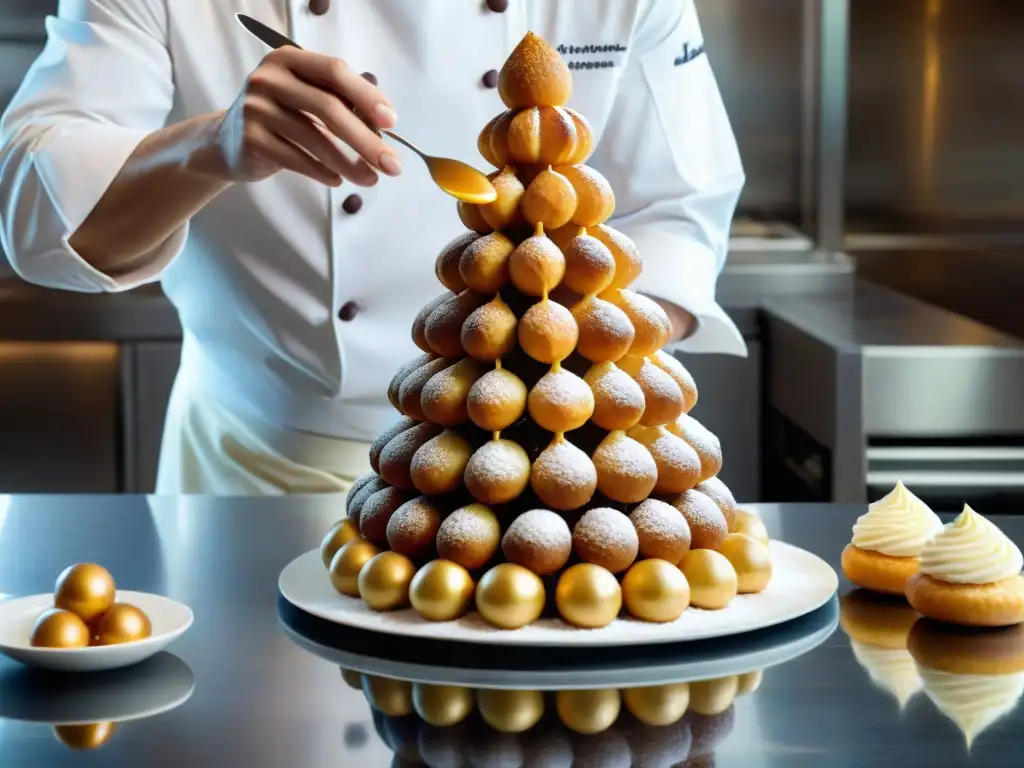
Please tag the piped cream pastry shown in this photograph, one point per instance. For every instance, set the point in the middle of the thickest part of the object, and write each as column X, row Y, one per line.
column 970, row 575
column 888, row 541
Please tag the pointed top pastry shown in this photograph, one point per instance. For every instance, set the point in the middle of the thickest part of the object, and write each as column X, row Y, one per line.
column 534, row 75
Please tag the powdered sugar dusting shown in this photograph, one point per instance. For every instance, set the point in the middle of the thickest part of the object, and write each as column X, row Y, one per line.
column 565, row 393
column 468, row 526
column 565, row 465
column 497, row 472
column 541, row 529
column 602, row 326
column 417, row 518
column 607, row 537
column 662, row 395
column 660, row 522
column 614, row 387
column 624, row 457
column 490, row 331
column 589, row 265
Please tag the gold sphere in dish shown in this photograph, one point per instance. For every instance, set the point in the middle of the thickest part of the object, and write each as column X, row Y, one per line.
column 588, row 596
column 347, row 563
column 750, row 524
column 384, row 581
column 352, row 678
column 751, row 561
column 85, row 737
column 341, row 533
column 712, row 579
column 510, row 596
column 588, row 712
column 85, row 589
column 655, row 590
column 388, row 696
column 510, row 711
column 713, row 697
column 57, row 628
column 441, row 590
column 442, row 705
column 122, row 623
column 749, row 682
column 657, row 704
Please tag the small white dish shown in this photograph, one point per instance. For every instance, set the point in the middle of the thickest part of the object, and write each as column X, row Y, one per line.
column 170, row 620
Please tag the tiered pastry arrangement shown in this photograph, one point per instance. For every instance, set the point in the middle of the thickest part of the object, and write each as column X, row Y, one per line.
column 441, row 725
column 545, row 458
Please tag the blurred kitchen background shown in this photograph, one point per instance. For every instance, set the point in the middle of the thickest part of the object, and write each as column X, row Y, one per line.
column 877, row 269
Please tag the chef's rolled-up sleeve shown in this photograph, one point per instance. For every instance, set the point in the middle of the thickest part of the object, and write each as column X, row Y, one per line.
column 101, row 84
column 670, row 154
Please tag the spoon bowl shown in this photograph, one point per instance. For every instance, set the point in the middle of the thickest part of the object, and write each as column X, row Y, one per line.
column 461, row 181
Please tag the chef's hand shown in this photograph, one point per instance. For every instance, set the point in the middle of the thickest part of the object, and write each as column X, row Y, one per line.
column 292, row 114
column 681, row 323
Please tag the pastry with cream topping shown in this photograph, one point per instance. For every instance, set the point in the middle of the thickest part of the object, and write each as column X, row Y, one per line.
column 888, row 541
column 970, row 575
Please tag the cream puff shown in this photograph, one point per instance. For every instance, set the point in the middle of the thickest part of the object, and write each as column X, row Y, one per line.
column 970, row 575
column 888, row 540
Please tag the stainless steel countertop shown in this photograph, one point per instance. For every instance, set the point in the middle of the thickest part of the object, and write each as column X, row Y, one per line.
column 259, row 700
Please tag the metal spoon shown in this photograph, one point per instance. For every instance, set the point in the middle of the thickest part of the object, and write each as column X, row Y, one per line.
column 461, row 181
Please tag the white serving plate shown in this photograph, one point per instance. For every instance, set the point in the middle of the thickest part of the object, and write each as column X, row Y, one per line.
column 170, row 620
column 801, row 582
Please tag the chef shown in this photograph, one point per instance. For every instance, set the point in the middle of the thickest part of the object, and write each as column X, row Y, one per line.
column 158, row 141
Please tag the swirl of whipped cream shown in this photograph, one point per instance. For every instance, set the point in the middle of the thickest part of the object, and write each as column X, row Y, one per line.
column 891, row 669
column 971, row 550
column 973, row 702
column 899, row 524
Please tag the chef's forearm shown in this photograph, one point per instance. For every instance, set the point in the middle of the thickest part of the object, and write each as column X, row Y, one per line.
column 170, row 176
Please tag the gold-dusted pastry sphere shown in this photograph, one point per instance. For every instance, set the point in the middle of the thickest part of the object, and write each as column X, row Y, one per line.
column 510, row 596
column 441, row 590
column 712, row 579
column 588, row 712
column 58, row 628
column 341, row 533
column 347, row 563
column 388, row 696
column 713, row 697
column 352, row 678
column 85, row 589
column 84, row 737
column 749, row 682
column 384, row 581
column 750, row 524
column 588, row 596
column 510, row 711
column 122, row 623
column 655, row 590
column 751, row 561
column 442, row 705
column 657, row 704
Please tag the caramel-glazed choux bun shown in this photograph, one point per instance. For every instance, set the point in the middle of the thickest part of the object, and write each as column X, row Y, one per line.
column 490, row 331
column 483, row 265
column 446, row 267
column 650, row 322
column 443, row 398
column 503, row 212
column 536, row 266
column 396, row 458
column 401, row 374
column 534, row 75
column 584, row 138
column 377, row 511
column 595, row 200
column 362, row 481
column 708, row 528
column 663, row 400
column 413, row 527
column 561, row 401
column 497, row 472
column 355, row 504
column 618, row 399
column 626, row 471
column 472, row 218
column 589, row 265
column 605, row 331
column 444, row 325
column 412, row 386
column 550, row 200
column 606, row 537
column 438, row 465
column 678, row 464
column 377, row 446
column 680, row 376
column 563, row 476
column 469, row 536
column 497, row 400
column 702, row 441
column 719, row 493
column 541, row 135
column 662, row 532
column 539, row 540
column 628, row 263
column 483, row 140
column 548, row 332
column 419, row 324
column 497, row 139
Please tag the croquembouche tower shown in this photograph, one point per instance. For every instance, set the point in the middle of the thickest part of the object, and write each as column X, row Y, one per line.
column 545, row 463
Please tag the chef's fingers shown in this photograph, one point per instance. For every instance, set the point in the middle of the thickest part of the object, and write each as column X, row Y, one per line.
column 337, row 76
column 270, row 147
column 295, row 94
column 301, row 130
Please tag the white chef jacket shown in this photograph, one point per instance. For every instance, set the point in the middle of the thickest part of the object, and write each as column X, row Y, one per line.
column 293, row 310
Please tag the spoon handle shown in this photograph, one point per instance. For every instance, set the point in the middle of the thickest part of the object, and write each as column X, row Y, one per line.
column 402, row 140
